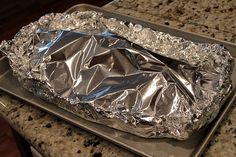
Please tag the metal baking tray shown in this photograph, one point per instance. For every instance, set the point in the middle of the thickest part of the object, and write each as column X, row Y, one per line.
column 164, row 147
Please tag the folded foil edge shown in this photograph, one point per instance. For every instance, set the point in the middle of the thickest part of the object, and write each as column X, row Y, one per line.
column 120, row 74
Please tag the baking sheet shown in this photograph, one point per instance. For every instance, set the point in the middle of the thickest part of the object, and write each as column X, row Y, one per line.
column 146, row 147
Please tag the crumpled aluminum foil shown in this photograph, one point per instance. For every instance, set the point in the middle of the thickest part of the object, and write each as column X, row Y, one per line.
column 120, row 74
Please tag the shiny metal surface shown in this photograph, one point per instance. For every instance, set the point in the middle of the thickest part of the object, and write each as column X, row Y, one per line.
column 93, row 67
column 164, row 145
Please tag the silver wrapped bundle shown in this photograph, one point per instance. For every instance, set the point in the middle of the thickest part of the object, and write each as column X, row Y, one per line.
column 120, row 74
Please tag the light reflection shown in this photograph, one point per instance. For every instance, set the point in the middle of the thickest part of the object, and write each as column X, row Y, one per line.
column 2, row 104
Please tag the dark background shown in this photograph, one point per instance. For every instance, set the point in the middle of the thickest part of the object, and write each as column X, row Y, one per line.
column 16, row 13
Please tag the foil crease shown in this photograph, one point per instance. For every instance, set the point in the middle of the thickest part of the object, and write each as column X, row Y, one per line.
column 120, row 74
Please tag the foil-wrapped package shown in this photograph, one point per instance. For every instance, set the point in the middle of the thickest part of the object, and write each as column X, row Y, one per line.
column 120, row 74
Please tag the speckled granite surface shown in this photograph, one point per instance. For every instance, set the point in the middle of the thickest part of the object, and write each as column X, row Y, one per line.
column 216, row 19
column 56, row 138
column 51, row 136
column 211, row 18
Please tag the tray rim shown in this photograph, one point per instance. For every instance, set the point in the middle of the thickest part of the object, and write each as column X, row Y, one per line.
column 226, row 43
column 205, row 140
column 218, row 120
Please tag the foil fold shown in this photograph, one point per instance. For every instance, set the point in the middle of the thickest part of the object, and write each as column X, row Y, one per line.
column 120, row 74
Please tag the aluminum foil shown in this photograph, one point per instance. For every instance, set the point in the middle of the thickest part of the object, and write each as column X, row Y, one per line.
column 120, row 74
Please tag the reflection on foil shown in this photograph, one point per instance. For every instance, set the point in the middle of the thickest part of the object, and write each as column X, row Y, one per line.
column 131, row 78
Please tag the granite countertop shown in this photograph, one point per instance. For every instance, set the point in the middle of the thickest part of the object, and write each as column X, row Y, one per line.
column 54, row 137
column 216, row 18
